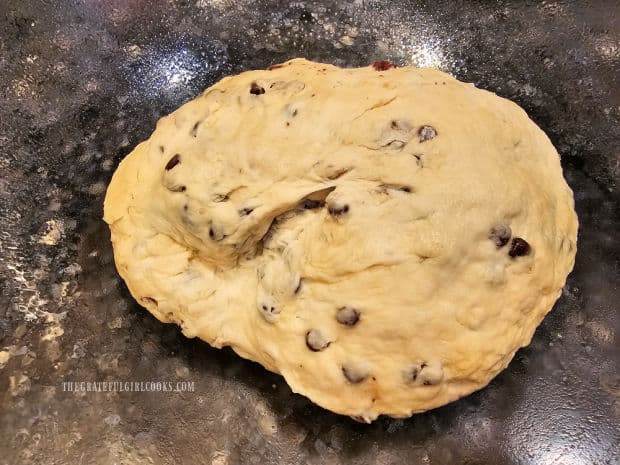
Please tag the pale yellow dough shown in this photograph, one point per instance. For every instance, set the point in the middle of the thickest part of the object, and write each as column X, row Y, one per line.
column 406, row 250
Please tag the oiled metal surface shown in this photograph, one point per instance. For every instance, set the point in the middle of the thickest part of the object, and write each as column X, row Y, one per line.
column 84, row 81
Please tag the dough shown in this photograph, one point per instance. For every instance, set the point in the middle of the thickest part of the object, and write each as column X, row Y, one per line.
column 385, row 238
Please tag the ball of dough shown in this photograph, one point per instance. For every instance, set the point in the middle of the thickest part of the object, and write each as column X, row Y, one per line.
column 385, row 238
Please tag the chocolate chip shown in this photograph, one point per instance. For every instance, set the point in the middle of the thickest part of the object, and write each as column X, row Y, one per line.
column 148, row 301
column 269, row 312
column 430, row 374
column 177, row 188
column 354, row 375
column 161, row 148
column 294, row 113
column 348, row 316
column 395, row 135
column 426, row 374
column 174, row 161
column 412, row 373
column 216, row 234
column 336, row 210
column 315, row 341
column 400, row 125
column 426, row 133
column 500, row 234
column 383, row 65
column 519, row 248
column 255, row 89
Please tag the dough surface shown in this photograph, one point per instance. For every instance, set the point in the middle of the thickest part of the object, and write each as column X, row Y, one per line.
column 385, row 238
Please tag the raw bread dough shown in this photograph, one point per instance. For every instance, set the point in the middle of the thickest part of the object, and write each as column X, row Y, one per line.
column 386, row 239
